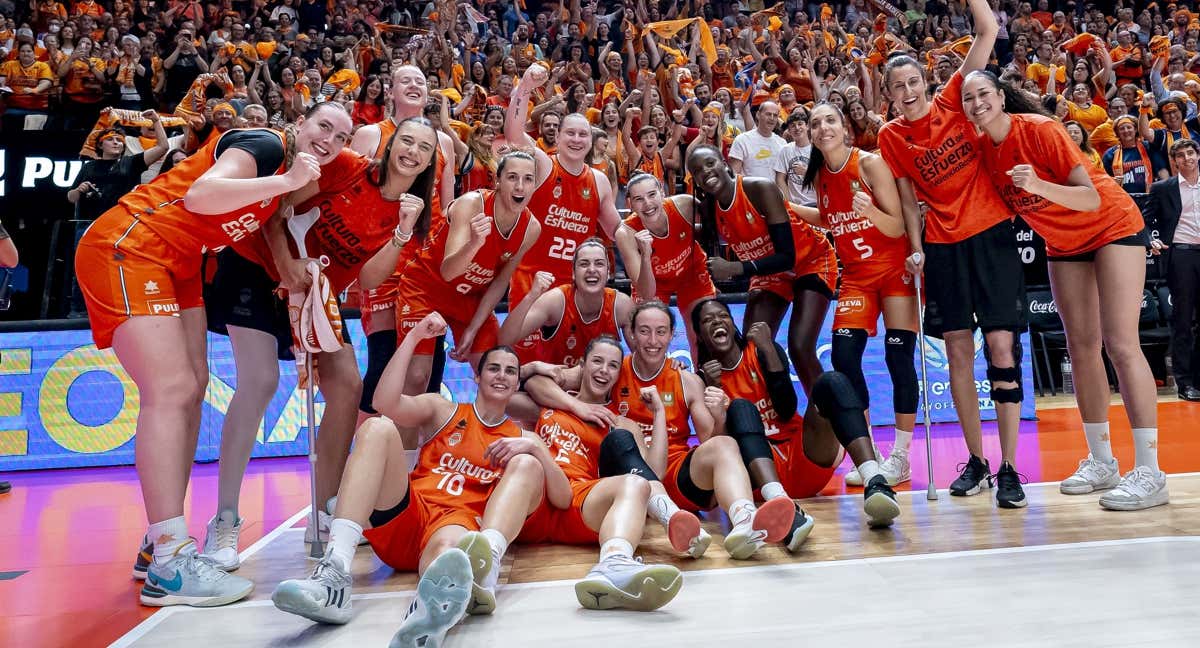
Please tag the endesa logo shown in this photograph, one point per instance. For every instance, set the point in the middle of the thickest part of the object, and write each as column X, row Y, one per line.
column 37, row 170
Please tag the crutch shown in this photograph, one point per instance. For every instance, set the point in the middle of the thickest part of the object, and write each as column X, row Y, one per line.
column 931, row 490
column 298, row 226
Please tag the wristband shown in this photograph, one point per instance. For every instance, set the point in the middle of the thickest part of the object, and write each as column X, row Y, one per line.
column 399, row 238
column 1145, row 110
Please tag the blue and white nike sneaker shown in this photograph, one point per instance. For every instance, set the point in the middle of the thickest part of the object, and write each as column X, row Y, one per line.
column 189, row 579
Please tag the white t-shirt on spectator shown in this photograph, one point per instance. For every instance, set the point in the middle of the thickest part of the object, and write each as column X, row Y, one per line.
column 757, row 153
column 793, row 160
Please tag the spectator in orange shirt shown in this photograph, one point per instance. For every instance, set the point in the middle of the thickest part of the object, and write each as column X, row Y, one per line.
column 43, row 11
column 29, row 81
column 88, row 8
column 1127, row 59
column 1047, row 64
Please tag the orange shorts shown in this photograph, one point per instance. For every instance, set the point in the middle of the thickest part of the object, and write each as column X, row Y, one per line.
column 564, row 526
column 687, row 292
column 400, row 541
column 799, row 476
column 379, row 298
column 819, row 273
column 860, row 301
column 125, row 271
column 413, row 308
column 670, row 480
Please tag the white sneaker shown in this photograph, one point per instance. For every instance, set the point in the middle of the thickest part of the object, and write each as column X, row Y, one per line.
column 323, row 597
column 686, row 535
column 221, row 541
column 853, row 478
column 189, row 579
column 323, row 521
column 802, row 526
column 443, row 594
column 485, row 572
column 1140, row 488
column 624, row 582
column 895, row 468
column 1092, row 475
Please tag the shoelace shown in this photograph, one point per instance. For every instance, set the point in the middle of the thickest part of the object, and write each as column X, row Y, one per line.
column 1139, row 478
column 972, row 470
column 1090, row 468
column 1005, row 478
column 202, row 567
column 328, row 574
column 226, row 535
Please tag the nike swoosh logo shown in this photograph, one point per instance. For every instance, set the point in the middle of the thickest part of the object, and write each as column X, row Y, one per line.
column 174, row 584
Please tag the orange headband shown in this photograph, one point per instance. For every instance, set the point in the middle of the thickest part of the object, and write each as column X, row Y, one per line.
column 224, row 105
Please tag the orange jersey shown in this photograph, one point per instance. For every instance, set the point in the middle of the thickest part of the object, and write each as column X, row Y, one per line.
column 861, row 247
column 677, row 257
column 940, row 156
column 1044, row 143
column 627, row 402
column 451, row 470
column 747, row 380
column 653, row 166
column 574, row 444
column 159, row 207
column 746, row 232
column 567, row 206
column 564, row 343
column 462, row 294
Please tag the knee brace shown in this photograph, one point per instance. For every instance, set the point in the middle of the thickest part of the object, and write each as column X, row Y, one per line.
column 619, row 455
column 899, row 346
column 380, row 347
column 836, row 399
column 745, row 425
column 1006, row 374
column 438, row 368
column 846, row 356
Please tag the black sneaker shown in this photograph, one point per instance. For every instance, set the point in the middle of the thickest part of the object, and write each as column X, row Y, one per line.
column 5, row 487
column 145, row 555
column 1009, row 493
column 879, row 502
column 802, row 525
column 976, row 476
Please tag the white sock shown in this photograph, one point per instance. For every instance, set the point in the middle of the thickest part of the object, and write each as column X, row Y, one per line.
column 741, row 511
column 868, row 470
column 616, row 547
column 1145, row 448
column 1098, row 441
column 343, row 540
column 661, row 508
column 498, row 541
column 168, row 536
column 903, row 440
column 771, row 490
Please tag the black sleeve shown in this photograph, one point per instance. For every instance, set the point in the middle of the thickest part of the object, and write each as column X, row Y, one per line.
column 263, row 144
column 3, row 233
column 135, row 166
column 779, row 385
column 785, row 253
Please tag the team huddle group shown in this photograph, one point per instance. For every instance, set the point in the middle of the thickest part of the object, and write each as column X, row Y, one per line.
column 574, row 437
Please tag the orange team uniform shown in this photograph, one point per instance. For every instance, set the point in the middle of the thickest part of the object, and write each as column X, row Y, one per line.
column 1040, row 141
column 627, row 402
column 746, row 231
column 679, row 263
column 422, row 289
column 449, row 486
column 939, row 154
column 143, row 256
column 653, row 166
column 383, row 296
column 872, row 263
column 563, row 344
column 799, row 475
column 354, row 222
column 575, row 446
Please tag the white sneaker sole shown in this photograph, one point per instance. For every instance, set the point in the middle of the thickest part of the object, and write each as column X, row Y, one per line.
column 296, row 601
column 801, row 534
column 1157, row 499
column 445, row 591
column 903, row 477
column 479, row 551
column 224, row 565
column 854, row 478
column 699, row 545
column 197, row 601
column 881, row 510
column 1086, row 488
column 652, row 588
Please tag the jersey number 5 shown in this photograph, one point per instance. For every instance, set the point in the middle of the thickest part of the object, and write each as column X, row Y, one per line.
column 861, row 246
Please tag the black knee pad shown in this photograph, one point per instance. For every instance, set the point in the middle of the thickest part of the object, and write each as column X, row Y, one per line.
column 899, row 346
column 846, row 356
column 701, row 497
column 619, row 455
column 745, row 425
column 438, row 367
column 381, row 345
column 1006, row 374
column 836, row 399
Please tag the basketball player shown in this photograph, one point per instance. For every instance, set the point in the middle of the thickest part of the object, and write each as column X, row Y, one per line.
column 858, row 202
column 1096, row 248
column 571, row 315
column 476, row 470
column 610, row 510
column 139, row 269
column 788, row 262
column 969, row 238
column 353, row 218
column 464, row 268
column 777, row 444
column 658, row 244
column 695, row 478
column 410, row 95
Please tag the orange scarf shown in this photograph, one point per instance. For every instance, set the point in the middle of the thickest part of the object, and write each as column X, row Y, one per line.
column 1118, row 164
